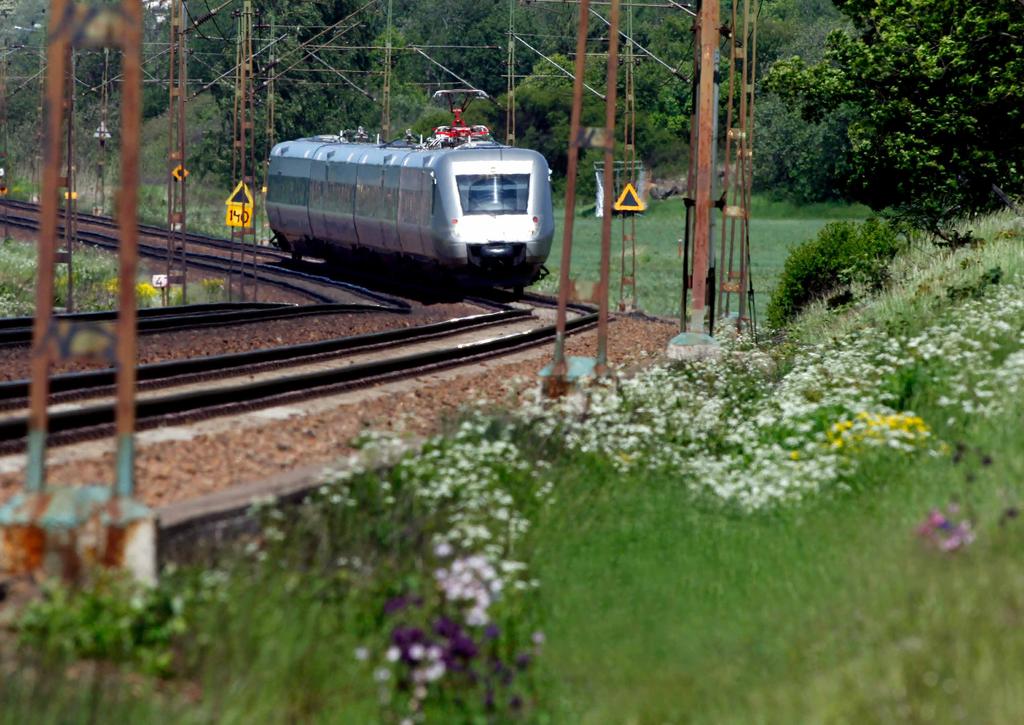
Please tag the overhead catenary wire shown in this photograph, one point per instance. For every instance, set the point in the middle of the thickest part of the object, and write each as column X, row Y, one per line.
column 450, row 72
column 341, row 75
column 568, row 74
column 642, row 49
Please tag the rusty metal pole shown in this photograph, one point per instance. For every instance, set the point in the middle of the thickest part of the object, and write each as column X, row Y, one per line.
column 64, row 530
column 58, row 52
column 556, row 383
column 706, row 114
column 601, row 368
column 128, row 252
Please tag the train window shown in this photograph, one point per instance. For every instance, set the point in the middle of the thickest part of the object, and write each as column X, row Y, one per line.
column 494, row 193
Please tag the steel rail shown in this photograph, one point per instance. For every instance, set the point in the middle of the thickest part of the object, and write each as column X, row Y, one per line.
column 93, row 421
column 218, row 318
column 7, row 323
column 151, row 230
column 182, row 371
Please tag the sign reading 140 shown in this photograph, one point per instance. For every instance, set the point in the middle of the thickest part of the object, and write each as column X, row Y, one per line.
column 239, row 207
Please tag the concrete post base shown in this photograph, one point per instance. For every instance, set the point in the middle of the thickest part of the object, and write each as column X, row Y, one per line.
column 69, row 529
column 693, row 346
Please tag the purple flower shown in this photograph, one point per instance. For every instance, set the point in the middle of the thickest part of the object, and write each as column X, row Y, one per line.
column 523, row 660
column 447, row 628
column 396, row 604
column 943, row 533
column 492, row 631
column 463, row 647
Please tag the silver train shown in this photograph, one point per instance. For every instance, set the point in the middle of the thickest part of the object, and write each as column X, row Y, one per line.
column 479, row 210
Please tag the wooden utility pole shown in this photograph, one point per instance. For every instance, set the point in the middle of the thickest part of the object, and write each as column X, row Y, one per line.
column 243, row 163
column 707, row 117
column 611, row 88
column 510, row 81
column 177, row 171
column 5, row 9
column 627, row 269
column 385, row 106
column 69, row 181
column 102, row 135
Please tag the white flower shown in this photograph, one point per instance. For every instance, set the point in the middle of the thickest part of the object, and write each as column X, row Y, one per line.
column 434, row 672
column 362, row 654
column 393, row 654
column 382, row 674
column 416, row 652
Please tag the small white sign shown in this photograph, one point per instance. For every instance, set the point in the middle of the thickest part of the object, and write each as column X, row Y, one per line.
column 160, row 281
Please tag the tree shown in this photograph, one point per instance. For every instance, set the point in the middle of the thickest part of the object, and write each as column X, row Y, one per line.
column 934, row 93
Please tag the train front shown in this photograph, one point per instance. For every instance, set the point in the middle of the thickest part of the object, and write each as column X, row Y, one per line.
column 496, row 216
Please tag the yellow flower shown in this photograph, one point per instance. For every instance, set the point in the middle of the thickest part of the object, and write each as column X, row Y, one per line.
column 794, row 455
column 145, row 291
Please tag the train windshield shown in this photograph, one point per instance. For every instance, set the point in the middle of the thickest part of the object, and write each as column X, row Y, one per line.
column 494, row 193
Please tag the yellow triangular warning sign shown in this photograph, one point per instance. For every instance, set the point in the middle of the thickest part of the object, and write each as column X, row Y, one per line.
column 629, row 200
column 241, row 195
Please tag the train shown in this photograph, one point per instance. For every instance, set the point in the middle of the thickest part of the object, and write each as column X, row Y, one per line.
column 458, row 203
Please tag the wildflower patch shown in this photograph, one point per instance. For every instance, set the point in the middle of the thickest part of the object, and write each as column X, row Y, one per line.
column 901, row 431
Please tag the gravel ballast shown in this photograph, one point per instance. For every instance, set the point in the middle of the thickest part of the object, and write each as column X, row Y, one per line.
column 242, row 337
column 256, row 447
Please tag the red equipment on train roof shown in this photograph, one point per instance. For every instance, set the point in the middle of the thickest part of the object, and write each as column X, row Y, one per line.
column 459, row 100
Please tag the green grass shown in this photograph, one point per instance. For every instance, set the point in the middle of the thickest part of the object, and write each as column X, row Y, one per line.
column 774, row 229
column 660, row 610
column 94, row 273
column 95, row 285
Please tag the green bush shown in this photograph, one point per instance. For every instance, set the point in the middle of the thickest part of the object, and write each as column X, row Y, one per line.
column 112, row 619
column 843, row 254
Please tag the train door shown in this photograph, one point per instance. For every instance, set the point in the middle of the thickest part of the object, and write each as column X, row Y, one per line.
column 341, row 188
column 369, row 183
column 391, row 181
column 317, row 185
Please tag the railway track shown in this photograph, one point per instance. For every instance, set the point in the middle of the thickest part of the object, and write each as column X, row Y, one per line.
column 18, row 330
column 101, row 232
column 184, row 391
column 191, row 389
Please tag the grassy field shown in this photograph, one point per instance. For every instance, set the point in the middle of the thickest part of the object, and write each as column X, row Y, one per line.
column 775, row 228
column 95, row 282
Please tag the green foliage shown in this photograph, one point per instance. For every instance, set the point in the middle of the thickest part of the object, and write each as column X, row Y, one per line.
column 842, row 254
column 932, row 90
column 976, row 288
column 796, row 159
column 112, row 619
